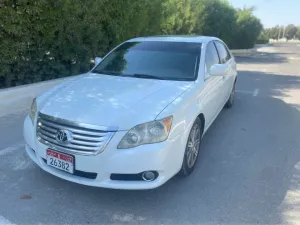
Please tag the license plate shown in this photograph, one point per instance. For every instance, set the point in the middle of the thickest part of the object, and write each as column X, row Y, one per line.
column 60, row 161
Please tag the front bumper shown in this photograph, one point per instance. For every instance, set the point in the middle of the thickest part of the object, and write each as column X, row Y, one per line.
column 165, row 158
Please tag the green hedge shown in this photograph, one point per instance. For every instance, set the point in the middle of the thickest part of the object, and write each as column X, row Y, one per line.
column 46, row 39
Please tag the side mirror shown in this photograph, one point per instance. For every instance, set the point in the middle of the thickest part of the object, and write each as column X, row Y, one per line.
column 97, row 60
column 218, row 70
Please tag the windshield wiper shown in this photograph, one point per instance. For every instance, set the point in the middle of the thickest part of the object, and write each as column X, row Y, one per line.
column 148, row 76
column 127, row 75
column 107, row 72
column 182, row 79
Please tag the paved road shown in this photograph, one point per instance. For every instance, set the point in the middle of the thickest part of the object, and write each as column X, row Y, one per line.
column 248, row 171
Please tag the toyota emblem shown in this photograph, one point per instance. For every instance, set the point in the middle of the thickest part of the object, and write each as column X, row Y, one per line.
column 63, row 136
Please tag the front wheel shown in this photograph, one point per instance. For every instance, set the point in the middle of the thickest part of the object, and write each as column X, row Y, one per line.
column 192, row 149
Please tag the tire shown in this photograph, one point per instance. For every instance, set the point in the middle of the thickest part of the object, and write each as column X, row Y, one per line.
column 192, row 149
column 230, row 101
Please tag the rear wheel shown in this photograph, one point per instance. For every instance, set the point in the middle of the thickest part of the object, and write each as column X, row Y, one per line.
column 192, row 149
column 230, row 101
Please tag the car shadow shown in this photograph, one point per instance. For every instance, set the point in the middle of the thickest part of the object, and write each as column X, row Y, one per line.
column 262, row 58
column 272, row 54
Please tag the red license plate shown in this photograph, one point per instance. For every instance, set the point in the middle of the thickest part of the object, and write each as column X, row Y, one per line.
column 60, row 161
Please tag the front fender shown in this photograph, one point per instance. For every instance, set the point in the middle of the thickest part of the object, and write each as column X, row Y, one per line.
column 29, row 133
column 185, row 109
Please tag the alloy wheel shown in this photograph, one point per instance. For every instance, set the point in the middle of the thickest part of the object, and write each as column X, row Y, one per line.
column 193, row 145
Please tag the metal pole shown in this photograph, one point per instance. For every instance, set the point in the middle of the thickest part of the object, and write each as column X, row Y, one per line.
column 283, row 32
column 278, row 34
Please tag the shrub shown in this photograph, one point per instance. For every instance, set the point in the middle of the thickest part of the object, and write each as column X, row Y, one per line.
column 249, row 28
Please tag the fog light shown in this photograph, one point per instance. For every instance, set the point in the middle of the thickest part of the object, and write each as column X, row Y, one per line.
column 148, row 176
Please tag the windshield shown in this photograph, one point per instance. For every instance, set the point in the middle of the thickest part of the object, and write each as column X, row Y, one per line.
column 153, row 60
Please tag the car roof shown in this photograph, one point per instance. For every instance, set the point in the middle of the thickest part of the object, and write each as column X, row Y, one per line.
column 175, row 38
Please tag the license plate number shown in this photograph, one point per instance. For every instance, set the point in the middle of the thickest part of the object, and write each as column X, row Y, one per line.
column 60, row 161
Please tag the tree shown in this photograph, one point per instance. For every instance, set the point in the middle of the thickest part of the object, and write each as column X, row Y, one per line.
column 290, row 31
column 298, row 33
column 262, row 38
column 274, row 32
column 249, row 28
column 216, row 18
column 176, row 17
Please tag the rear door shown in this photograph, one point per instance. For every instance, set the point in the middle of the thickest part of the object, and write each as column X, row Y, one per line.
column 226, row 58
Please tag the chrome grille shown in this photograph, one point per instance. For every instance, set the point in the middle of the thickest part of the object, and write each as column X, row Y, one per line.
column 86, row 139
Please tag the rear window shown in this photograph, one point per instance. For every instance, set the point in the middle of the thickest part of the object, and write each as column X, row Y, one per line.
column 162, row 60
column 223, row 52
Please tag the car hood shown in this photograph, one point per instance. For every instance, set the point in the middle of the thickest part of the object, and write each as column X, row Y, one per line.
column 104, row 100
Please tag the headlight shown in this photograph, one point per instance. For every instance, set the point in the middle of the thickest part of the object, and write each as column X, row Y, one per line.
column 33, row 110
column 147, row 133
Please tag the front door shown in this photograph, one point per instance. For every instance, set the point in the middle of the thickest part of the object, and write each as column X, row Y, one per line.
column 226, row 58
column 213, row 87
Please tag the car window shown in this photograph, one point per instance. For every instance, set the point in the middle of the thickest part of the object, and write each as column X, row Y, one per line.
column 211, row 56
column 153, row 59
column 223, row 52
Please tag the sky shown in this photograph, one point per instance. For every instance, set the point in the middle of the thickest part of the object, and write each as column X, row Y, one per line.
column 273, row 12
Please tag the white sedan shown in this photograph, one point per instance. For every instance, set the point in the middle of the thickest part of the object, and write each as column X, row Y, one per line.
column 137, row 118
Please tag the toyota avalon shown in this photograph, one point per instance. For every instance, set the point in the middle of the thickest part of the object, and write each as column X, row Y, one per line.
column 138, row 117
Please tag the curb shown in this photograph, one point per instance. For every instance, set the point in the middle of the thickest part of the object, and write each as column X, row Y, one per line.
column 244, row 52
column 248, row 52
column 17, row 99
